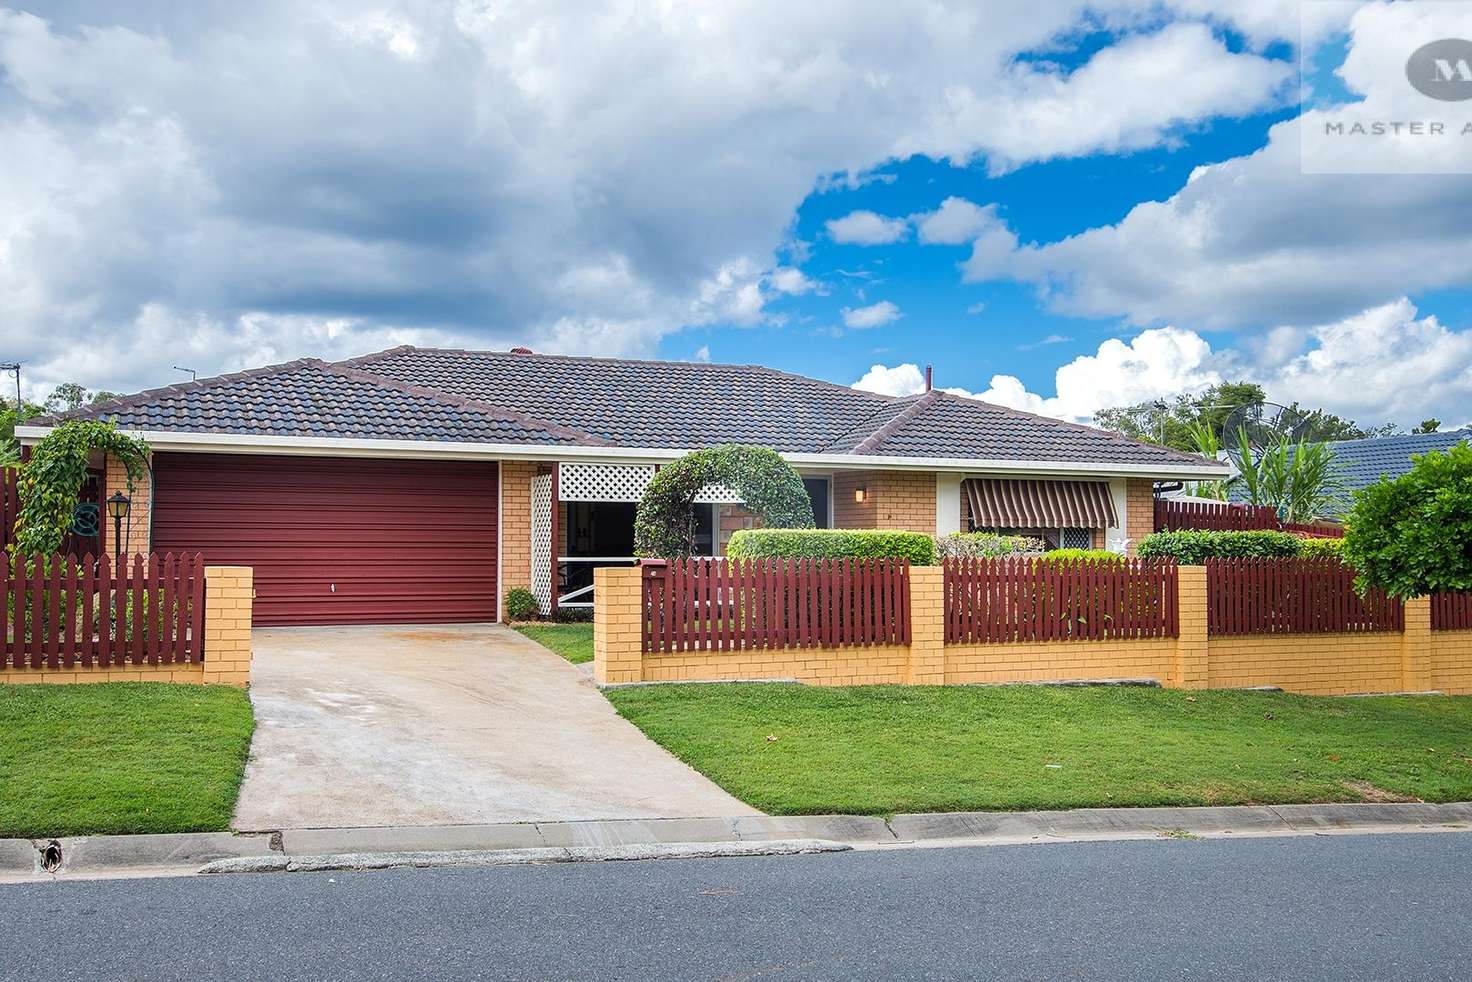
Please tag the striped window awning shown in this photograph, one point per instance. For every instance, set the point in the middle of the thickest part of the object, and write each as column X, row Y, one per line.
column 1007, row 503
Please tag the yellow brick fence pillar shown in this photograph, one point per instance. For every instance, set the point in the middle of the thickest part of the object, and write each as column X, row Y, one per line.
column 229, row 595
column 617, row 634
column 1415, row 646
column 927, row 626
column 1193, row 649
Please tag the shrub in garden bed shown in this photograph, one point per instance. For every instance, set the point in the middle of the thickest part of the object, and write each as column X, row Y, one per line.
column 1315, row 548
column 917, row 547
column 520, row 604
column 1193, row 547
column 985, row 545
column 1083, row 555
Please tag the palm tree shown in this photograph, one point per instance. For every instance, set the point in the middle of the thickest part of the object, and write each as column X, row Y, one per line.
column 1298, row 480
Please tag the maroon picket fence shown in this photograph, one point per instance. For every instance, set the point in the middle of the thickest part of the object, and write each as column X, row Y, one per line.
column 744, row 605
column 66, row 611
column 1173, row 516
column 1022, row 599
column 1451, row 611
column 1293, row 596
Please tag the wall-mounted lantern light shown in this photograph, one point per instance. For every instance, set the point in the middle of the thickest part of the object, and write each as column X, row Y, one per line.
column 117, row 507
column 861, row 494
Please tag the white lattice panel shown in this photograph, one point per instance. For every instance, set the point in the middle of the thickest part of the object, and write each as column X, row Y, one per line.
column 603, row 482
column 717, row 494
column 542, row 542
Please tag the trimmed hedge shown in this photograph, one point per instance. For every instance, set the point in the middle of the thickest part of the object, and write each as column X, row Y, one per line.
column 985, row 545
column 1083, row 555
column 1315, row 548
column 1193, row 547
column 917, row 547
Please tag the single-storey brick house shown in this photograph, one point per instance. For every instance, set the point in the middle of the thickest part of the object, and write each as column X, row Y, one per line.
column 419, row 485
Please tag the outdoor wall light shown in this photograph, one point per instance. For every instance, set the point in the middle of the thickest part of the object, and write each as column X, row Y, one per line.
column 861, row 494
column 117, row 507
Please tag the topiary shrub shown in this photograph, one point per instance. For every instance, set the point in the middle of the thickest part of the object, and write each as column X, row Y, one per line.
column 521, row 605
column 1193, row 547
column 917, row 547
column 984, row 545
column 1410, row 536
column 1316, row 548
column 664, row 525
column 1082, row 555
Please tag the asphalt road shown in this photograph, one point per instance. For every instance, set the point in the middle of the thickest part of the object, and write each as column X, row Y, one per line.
column 1333, row 908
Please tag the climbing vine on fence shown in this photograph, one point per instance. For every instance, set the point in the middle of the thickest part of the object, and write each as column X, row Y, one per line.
column 51, row 480
column 664, row 525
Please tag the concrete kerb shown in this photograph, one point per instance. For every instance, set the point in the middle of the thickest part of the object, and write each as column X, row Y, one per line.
column 378, row 848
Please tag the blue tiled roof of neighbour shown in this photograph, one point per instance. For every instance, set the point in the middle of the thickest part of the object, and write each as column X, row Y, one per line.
column 516, row 397
column 1363, row 462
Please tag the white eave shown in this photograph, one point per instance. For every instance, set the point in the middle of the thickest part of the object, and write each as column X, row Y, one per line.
column 351, row 447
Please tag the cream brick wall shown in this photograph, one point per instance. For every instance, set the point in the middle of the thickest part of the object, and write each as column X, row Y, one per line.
column 515, row 543
column 894, row 500
column 1139, row 510
column 137, row 526
column 1451, row 662
column 229, row 593
column 1316, row 664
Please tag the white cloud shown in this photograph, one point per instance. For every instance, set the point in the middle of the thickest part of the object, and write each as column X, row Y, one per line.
column 1254, row 241
column 874, row 315
column 956, row 222
column 901, row 380
column 1382, row 364
column 702, row 353
column 976, row 308
column 459, row 170
column 791, row 280
column 1045, row 342
column 867, row 228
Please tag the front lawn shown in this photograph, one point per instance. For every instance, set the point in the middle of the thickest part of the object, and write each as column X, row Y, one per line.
column 572, row 641
column 120, row 757
column 791, row 749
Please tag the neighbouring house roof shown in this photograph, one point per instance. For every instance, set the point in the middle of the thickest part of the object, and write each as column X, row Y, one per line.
column 1363, row 462
column 447, row 395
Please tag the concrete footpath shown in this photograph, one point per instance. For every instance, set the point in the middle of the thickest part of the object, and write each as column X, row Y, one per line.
column 628, row 839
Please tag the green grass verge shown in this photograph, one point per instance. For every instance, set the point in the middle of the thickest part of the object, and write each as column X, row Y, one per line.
column 120, row 757
column 879, row 750
column 572, row 641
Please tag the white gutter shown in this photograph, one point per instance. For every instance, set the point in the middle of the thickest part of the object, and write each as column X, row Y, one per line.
column 444, row 450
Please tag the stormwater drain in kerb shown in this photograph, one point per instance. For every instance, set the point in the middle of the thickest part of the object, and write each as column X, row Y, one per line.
column 51, row 856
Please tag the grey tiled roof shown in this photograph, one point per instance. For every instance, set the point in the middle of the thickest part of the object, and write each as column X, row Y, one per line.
column 1363, row 462
column 311, row 398
column 506, row 397
column 643, row 403
column 947, row 425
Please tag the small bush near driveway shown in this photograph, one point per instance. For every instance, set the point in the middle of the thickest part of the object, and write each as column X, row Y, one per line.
column 572, row 641
column 791, row 749
column 120, row 757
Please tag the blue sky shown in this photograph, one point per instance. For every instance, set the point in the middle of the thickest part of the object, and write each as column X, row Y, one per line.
column 1012, row 333
column 1132, row 204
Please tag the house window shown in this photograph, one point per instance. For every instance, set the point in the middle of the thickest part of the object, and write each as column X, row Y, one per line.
column 1075, row 539
column 820, row 494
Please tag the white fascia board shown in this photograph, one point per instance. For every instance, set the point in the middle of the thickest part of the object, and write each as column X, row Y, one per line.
column 445, row 450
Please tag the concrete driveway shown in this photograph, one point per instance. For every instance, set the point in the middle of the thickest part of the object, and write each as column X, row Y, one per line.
column 445, row 725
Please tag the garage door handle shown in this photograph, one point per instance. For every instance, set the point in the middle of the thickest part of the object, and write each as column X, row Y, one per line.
column 332, row 587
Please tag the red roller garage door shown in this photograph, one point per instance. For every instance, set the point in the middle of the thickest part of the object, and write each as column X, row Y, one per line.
column 335, row 540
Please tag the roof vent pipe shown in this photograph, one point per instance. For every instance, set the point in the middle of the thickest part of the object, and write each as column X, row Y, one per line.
column 928, row 377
